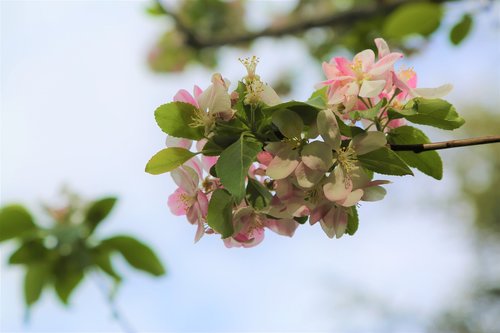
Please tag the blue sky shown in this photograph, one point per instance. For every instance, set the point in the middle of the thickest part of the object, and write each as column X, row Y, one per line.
column 77, row 103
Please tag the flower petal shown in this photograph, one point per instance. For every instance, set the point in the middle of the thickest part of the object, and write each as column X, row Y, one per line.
column 374, row 193
column 384, row 65
column 352, row 199
column 185, row 97
column 283, row 164
column 366, row 57
column 172, row 141
column 371, row 89
column 317, row 155
column 382, row 47
column 178, row 206
column 337, row 187
column 269, row 96
column 284, row 227
column 328, row 128
column 438, row 92
column 306, row 177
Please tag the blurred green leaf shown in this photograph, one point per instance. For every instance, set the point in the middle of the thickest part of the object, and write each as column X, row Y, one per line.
column 428, row 162
column 15, row 221
column 219, row 215
column 461, row 29
column 66, row 282
column 167, row 160
column 35, row 279
column 102, row 258
column 29, row 252
column 137, row 254
column 98, row 211
column 155, row 9
column 413, row 18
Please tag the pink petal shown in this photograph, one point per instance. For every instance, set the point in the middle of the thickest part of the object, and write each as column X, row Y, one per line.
column 384, row 65
column 285, row 227
column 382, row 47
column 344, row 66
column 172, row 141
column 175, row 202
column 337, row 188
column 352, row 199
column 184, row 96
column 202, row 200
column 366, row 57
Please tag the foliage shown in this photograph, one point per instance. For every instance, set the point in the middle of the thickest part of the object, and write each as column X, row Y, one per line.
column 201, row 27
column 269, row 164
column 62, row 255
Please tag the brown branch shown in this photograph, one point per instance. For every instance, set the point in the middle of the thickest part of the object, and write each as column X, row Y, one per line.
column 418, row 148
column 332, row 20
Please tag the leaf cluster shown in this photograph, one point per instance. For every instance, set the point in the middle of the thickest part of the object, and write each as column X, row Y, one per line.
column 62, row 255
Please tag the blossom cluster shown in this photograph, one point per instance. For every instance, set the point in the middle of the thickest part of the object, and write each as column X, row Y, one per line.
column 259, row 163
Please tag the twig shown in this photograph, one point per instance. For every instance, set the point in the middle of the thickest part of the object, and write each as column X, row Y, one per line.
column 418, row 148
column 117, row 315
column 328, row 21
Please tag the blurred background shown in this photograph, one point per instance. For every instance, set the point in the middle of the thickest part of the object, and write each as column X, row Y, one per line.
column 79, row 83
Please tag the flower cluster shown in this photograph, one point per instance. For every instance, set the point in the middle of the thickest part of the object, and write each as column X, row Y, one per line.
column 261, row 163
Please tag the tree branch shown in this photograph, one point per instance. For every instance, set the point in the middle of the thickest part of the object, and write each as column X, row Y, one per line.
column 332, row 20
column 418, row 148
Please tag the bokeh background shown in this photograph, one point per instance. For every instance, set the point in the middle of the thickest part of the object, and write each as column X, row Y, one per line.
column 77, row 101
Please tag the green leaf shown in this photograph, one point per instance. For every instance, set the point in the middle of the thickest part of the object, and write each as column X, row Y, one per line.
column 65, row 284
column 233, row 164
column 370, row 113
column 434, row 112
column 167, row 160
column 413, row 18
column 384, row 161
column 349, row 131
column 176, row 118
column 34, row 281
column 257, row 195
column 29, row 252
column 319, row 98
column 306, row 111
column 155, row 9
column 137, row 254
column 15, row 221
column 461, row 29
column 428, row 162
column 101, row 256
column 352, row 221
column 288, row 122
column 396, row 114
column 301, row 219
column 98, row 211
column 220, row 213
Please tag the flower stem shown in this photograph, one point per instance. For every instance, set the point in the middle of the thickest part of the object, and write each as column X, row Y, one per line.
column 418, row 148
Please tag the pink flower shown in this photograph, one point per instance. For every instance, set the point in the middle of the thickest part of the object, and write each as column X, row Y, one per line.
column 184, row 96
column 333, row 219
column 188, row 199
column 363, row 77
column 249, row 228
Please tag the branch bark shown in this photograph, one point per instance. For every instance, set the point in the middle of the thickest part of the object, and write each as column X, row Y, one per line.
column 418, row 148
column 332, row 20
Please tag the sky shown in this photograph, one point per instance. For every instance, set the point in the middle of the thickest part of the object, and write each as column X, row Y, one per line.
column 77, row 102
